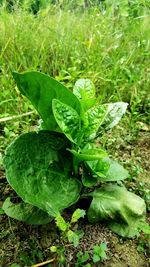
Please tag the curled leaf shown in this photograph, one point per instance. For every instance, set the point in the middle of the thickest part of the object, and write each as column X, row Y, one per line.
column 78, row 213
column 123, row 210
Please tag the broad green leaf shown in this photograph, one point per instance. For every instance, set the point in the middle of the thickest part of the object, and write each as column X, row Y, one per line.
column 41, row 89
column 61, row 224
column 78, row 213
column 26, row 213
column 89, row 154
column 115, row 111
column 126, row 230
column 84, row 89
column 68, row 120
column 32, row 169
column 103, row 117
column 123, row 210
column 95, row 117
column 108, row 170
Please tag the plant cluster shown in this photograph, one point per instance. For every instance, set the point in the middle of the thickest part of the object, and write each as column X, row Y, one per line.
column 52, row 168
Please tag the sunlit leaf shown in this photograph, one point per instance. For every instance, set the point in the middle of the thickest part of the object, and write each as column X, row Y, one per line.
column 61, row 223
column 41, row 89
column 84, row 89
column 78, row 213
column 115, row 111
column 68, row 120
column 95, row 117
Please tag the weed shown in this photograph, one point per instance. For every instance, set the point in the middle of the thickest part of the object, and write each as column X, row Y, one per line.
column 99, row 253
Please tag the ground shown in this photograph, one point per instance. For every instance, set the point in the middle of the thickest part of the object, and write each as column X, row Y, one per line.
column 28, row 245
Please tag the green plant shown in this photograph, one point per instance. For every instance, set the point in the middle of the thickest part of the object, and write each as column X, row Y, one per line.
column 144, row 238
column 15, row 265
column 53, row 168
column 99, row 252
column 67, row 234
column 59, row 252
column 82, row 259
column 65, row 227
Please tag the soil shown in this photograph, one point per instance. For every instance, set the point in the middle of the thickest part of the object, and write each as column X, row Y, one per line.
column 27, row 245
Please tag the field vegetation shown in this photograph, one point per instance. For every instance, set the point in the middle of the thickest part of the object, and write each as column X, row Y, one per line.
column 107, row 42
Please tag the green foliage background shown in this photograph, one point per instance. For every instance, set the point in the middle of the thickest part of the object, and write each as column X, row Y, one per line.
column 106, row 41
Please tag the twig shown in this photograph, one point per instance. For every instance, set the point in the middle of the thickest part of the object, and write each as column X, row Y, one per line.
column 16, row 116
column 43, row 263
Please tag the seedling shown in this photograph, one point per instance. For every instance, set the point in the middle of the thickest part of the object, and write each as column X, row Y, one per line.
column 82, row 259
column 65, row 227
column 50, row 169
column 60, row 257
column 99, row 253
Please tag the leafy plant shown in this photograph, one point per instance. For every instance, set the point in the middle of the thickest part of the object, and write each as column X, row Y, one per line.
column 65, row 227
column 99, row 252
column 52, row 168
column 82, row 259
column 67, row 234
column 59, row 251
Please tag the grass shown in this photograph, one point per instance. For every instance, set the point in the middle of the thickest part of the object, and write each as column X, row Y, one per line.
column 112, row 48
